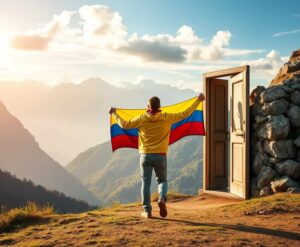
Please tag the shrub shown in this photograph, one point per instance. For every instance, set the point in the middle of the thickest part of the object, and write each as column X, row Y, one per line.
column 31, row 212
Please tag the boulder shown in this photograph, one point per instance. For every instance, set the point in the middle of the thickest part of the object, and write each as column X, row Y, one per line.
column 257, row 164
column 295, row 86
column 290, row 168
column 294, row 67
column 260, row 160
column 283, row 149
column 255, row 109
column 273, row 160
column 287, row 89
column 276, row 128
column 294, row 115
column 295, row 97
column 265, row 176
column 259, row 119
column 254, row 96
column 282, row 184
column 293, row 190
column 254, row 190
column 272, row 94
column 297, row 142
column 266, row 191
column 275, row 107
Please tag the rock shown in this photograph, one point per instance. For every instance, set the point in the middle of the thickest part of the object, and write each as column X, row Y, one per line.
column 282, row 184
column 254, row 190
column 255, row 109
column 257, row 164
column 276, row 128
column 295, row 97
column 265, row 176
column 294, row 67
column 266, row 191
column 297, row 142
column 293, row 190
column 283, row 149
column 260, row 160
column 289, row 70
column 294, row 115
column 254, row 96
column 275, row 107
column 273, row 160
column 272, row 94
column 287, row 89
column 295, row 86
column 298, row 156
column 290, row 168
column 259, row 119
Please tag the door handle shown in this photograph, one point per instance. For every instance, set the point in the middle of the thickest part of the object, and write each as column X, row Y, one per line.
column 240, row 134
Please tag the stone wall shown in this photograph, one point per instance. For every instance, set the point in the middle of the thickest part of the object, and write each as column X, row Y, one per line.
column 275, row 137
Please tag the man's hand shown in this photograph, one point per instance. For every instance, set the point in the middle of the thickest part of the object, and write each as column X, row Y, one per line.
column 201, row 97
column 112, row 110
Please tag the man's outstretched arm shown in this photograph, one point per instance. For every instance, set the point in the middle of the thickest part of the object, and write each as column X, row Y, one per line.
column 135, row 122
column 175, row 117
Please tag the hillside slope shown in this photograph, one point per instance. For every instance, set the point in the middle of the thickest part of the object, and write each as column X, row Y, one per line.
column 192, row 221
column 16, row 193
column 21, row 155
column 115, row 176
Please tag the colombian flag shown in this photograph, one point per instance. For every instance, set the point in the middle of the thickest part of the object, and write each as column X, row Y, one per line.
column 192, row 125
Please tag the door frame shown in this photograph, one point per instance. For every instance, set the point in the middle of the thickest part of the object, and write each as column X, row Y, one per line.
column 207, row 121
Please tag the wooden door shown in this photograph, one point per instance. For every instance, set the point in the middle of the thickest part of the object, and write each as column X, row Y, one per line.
column 239, row 134
column 218, row 128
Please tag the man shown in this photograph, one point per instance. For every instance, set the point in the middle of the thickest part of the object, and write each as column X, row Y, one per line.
column 154, row 130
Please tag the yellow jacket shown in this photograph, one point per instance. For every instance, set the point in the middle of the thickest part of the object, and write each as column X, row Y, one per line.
column 154, row 129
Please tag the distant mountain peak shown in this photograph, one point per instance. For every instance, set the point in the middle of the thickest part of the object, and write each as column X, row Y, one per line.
column 94, row 81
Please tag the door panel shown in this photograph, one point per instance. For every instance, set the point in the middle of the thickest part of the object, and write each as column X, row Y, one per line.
column 218, row 102
column 239, row 107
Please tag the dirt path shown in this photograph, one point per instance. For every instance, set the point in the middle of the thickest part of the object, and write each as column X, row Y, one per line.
column 194, row 221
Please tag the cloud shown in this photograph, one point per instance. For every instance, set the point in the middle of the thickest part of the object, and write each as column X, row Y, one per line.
column 101, row 34
column 102, row 26
column 154, row 50
column 269, row 65
column 185, row 45
column 40, row 39
column 286, row 33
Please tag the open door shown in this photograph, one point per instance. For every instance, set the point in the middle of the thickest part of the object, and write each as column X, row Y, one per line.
column 219, row 106
column 239, row 105
column 226, row 144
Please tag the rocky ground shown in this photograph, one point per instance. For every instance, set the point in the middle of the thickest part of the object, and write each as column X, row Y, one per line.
column 192, row 221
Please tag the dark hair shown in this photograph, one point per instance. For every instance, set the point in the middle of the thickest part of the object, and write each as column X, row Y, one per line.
column 154, row 103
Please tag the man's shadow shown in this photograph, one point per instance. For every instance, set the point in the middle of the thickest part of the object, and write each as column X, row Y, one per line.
column 241, row 228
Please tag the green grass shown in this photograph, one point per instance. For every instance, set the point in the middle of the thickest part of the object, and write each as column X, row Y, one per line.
column 30, row 213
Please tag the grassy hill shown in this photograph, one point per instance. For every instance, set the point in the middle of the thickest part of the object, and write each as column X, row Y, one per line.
column 15, row 192
column 192, row 221
column 115, row 176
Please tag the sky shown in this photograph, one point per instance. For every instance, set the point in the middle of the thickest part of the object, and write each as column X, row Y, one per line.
column 170, row 42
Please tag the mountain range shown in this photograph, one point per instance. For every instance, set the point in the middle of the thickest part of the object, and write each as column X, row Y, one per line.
column 115, row 176
column 21, row 155
column 68, row 118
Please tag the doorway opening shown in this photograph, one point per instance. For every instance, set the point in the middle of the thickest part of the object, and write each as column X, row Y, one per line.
column 226, row 144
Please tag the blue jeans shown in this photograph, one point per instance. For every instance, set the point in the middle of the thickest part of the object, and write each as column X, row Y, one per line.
column 147, row 163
